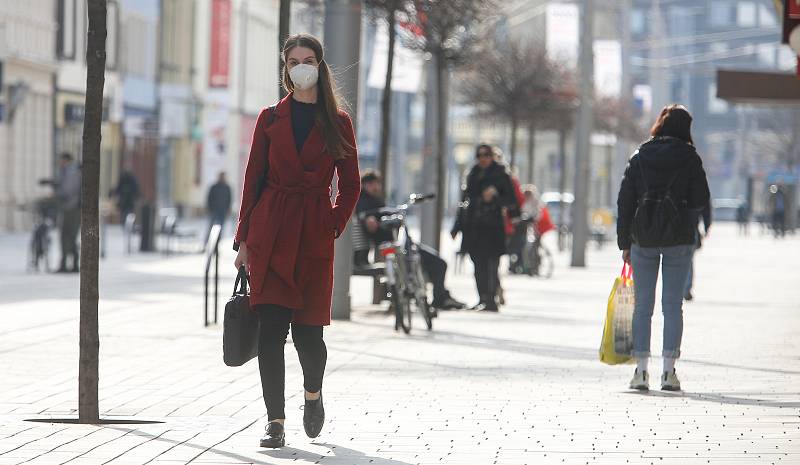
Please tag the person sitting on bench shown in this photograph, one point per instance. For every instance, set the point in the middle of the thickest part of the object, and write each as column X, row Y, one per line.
column 434, row 266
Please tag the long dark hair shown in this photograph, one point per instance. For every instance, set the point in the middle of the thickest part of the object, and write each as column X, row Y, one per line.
column 674, row 121
column 329, row 102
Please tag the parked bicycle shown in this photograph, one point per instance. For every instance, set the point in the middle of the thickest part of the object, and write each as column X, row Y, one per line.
column 45, row 211
column 537, row 259
column 406, row 283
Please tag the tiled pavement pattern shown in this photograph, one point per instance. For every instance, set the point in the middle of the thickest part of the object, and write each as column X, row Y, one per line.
column 520, row 387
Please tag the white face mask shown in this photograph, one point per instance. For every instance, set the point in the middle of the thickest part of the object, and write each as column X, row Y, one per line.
column 304, row 76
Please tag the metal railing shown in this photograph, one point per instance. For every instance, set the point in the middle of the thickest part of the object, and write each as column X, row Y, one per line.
column 212, row 254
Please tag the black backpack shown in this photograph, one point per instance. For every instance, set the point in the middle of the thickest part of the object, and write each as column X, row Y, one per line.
column 660, row 219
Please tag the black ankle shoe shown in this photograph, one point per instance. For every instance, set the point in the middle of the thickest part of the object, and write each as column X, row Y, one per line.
column 313, row 417
column 274, row 436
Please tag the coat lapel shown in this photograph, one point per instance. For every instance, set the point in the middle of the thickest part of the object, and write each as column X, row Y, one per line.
column 282, row 136
column 313, row 148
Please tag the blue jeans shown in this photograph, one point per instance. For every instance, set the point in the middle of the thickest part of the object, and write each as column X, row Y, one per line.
column 675, row 270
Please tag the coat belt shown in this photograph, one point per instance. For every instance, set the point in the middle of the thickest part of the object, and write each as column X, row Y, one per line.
column 287, row 261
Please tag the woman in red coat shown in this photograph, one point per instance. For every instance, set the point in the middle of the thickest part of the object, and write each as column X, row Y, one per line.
column 287, row 225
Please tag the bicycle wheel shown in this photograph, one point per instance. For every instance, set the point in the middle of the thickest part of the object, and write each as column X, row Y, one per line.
column 402, row 310
column 546, row 263
column 425, row 309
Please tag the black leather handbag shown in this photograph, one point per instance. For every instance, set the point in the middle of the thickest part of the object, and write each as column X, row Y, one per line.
column 240, row 326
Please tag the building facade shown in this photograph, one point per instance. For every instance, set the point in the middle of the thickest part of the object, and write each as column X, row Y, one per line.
column 27, row 70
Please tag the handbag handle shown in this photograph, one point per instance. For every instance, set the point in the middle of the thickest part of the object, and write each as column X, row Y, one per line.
column 241, row 277
column 627, row 271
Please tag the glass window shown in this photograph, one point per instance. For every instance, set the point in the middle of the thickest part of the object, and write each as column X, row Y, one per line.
column 766, row 16
column 66, row 29
column 721, row 13
column 715, row 106
column 746, row 14
column 638, row 20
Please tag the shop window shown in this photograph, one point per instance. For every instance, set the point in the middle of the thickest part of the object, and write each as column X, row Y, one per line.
column 65, row 37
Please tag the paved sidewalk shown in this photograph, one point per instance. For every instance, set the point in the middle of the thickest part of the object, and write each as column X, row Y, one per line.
column 520, row 387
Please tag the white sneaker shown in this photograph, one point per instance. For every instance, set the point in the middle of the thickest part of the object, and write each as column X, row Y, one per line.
column 640, row 381
column 670, row 382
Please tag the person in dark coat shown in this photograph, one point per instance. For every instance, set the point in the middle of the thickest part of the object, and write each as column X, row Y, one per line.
column 663, row 191
column 218, row 203
column 434, row 266
column 706, row 217
column 127, row 193
column 288, row 223
column 486, row 199
column 68, row 192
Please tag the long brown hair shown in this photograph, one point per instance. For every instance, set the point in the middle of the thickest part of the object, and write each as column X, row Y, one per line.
column 674, row 121
column 328, row 100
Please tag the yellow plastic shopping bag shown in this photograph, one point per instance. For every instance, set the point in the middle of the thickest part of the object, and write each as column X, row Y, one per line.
column 617, row 343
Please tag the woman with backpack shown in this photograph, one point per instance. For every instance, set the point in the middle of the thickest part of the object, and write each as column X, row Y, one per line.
column 287, row 226
column 663, row 191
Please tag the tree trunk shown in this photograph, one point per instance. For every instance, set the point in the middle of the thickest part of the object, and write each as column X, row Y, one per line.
column 441, row 147
column 386, row 105
column 562, row 185
column 285, row 17
column 89, row 343
column 513, row 145
column 531, row 153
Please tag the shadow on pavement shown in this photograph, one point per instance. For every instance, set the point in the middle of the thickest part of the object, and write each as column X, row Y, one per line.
column 356, row 456
column 718, row 398
column 493, row 343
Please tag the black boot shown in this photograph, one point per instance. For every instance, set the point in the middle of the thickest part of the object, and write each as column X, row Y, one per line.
column 313, row 417
column 274, row 437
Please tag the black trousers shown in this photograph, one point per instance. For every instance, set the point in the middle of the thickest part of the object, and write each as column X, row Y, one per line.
column 487, row 278
column 436, row 269
column 275, row 322
column 70, row 227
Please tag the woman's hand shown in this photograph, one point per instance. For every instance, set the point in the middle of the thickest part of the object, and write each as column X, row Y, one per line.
column 626, row 256
column 489, row 194
column 241, row 257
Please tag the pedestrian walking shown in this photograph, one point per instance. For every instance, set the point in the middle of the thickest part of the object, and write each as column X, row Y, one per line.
column 663, row 190
column 487, row 197
column 743, row 218
column 287, row 225
column 698, row 243
column 778, row 210
column 218, row 204
column 68, row 193
column 127, row 193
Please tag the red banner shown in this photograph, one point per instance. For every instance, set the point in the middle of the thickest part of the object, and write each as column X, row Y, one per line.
column 794, row 9
column 220, row 43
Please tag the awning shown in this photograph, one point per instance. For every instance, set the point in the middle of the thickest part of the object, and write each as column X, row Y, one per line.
column 758, row 87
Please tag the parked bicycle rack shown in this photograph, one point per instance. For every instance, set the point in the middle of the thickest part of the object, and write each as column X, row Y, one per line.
column 212, row 252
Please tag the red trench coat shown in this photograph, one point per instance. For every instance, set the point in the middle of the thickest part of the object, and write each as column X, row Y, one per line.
column 289, row 230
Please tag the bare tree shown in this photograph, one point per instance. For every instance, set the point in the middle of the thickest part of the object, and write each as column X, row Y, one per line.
column 89, row 343
column 515, row 82
column 446, row 32
column 284, row 20
column 389, row 10
column 778, row 137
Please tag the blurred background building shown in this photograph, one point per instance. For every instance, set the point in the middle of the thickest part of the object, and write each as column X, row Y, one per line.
column 186, row 79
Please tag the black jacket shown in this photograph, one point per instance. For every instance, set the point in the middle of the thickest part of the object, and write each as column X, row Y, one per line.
column 481, row 223
column 219, row 199
column 663, row 159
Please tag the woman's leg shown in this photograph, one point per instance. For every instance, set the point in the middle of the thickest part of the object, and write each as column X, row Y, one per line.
column 645, row 262
column 312, row 353
column 273, row 330
column 481, row 275
column 677, row 261
column 493, row 281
